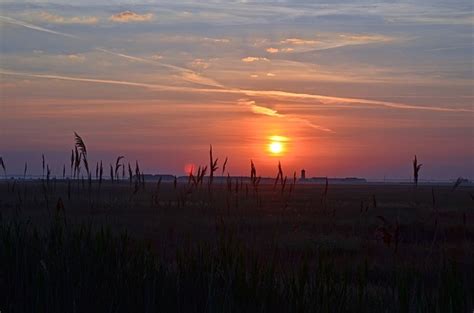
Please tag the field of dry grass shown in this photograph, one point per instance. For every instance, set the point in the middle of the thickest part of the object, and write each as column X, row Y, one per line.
column 386, row 228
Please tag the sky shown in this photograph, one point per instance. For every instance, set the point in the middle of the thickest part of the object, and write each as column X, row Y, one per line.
column 339, row 88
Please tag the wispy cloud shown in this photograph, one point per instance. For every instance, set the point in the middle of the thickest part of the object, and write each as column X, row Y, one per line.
column 191, row 76
column 58, row 19
column 76, row 57
column 272, row 50
column 253, row 59
column 326, row 41
column 261, row 110
column 186, row 74
column 129, row 16
column 217, row 40
column 277, row 94
column 298, row 41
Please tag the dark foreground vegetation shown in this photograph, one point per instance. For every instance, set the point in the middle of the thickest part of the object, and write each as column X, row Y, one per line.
column 74, row 247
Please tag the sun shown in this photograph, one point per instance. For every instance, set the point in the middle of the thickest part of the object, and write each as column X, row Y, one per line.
column 276, row 145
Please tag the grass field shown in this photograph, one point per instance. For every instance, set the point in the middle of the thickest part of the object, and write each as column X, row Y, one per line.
column 75, row 246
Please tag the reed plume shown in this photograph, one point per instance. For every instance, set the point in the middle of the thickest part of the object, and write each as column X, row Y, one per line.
column 81, row 147
column 117, row 165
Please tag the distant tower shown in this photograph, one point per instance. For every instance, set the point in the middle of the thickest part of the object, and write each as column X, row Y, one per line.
column 303, row 174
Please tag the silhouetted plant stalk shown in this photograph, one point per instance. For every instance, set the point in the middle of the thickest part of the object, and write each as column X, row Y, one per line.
column 43, row 165
column 202, row 174
column 2, row 164
column 279, row 176
column 81, row 153
column 130, row 174
column 283, row 185
column 77, row 163
column 325, row 192
column 416, row 170
column 72, row 162
column 224, row 165
column 101, row 173
column 111, row 173
column 457, row 183
column 25, row 169
column 292, row 186
column 117, row 166
column 212, row 167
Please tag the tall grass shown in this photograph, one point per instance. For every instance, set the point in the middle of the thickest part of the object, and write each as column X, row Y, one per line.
column 88, row 268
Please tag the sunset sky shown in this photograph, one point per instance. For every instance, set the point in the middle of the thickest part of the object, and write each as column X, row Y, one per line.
column 350, row 88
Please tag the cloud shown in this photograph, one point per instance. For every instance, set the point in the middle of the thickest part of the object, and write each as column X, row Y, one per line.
column 186, row 74
column 58, row 19
column 271, row 75
column 257, row 109
column 253, row 59
column 326, row 41
column 156, row 57
column 76, row 57
column 272, row 50
column 277, row 94
column 200, row 64
column 298, row 41
column 261, row 110
column 217, row 40
column 129, row 16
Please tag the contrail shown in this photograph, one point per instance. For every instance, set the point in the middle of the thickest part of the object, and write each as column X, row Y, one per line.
column 248, row 92
column 31, row 26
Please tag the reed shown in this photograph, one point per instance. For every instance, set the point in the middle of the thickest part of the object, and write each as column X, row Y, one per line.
column 4, row 168
column 416, row 170
column 212, row 167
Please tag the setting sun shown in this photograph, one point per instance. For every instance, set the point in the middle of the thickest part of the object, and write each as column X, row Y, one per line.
column 277, row 145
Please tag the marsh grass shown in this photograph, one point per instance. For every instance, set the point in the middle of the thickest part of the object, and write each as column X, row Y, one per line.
column 66, row 267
